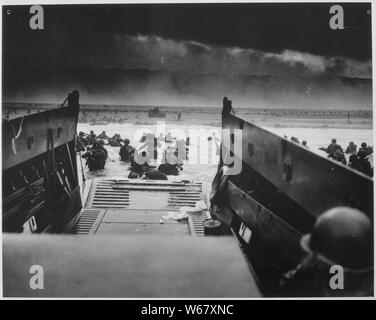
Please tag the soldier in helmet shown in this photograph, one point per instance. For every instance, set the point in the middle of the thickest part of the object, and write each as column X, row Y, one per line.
column 80, row 142
column 342, row 236
column 295, row 139
column 351, row 148
column 126, row 151
column 96, row 157
column 116, row 140
column 333, row 147
column 365, row 148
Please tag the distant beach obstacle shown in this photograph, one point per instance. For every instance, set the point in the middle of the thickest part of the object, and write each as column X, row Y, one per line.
column 155, row 113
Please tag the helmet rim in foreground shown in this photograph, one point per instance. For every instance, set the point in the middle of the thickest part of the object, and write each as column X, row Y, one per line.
column 342, row 236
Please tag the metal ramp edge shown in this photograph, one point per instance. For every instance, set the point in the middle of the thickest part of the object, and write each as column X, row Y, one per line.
column 122, row 194
column 88, row 221
column 195, row 223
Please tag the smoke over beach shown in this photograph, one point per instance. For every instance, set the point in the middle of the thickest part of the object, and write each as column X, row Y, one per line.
column 182, row 69
column 156, row 71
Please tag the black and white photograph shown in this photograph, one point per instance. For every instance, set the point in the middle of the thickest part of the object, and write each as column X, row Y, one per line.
column 170, row 150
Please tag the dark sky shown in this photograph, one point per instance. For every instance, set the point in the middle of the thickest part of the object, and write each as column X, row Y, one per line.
column 71, row 32
column 190, row 54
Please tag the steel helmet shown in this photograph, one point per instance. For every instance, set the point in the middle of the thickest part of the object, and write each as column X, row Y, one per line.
column 342, row 236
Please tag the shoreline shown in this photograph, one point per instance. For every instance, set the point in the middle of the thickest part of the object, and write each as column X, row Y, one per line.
column 268, row 118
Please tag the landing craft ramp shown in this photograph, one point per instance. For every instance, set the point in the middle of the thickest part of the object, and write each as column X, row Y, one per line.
column 127, row 267
column 120, row 246
column 138, row 207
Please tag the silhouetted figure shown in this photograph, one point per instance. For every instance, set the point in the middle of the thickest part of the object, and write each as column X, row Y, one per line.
column 92, row 137
column 339, row 156
column 73, row 99
column 101, row 144
column 96, row 157
column 154, row 174
column 80, row 145
column 169, row 169
column 304, row 144
column 364, row 165
column 116, row 140
column 227, row 106
column 354, row 162
column 126, row 151
column 103, row 135
column 171, row 163
column 367, row 149
column 295, row 139
column 333, row 147
column 351, row 148
column 137, row 169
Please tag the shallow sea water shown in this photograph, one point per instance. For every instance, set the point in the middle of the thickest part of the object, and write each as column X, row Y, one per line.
column 205, row 170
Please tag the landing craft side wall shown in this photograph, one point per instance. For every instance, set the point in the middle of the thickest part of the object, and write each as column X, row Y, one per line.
column 312, row 181
column 32, row 140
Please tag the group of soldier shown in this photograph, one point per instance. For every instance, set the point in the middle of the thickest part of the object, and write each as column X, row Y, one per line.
column 172, row 159
column 85, row 139
column 96, row 154
column 358, row 159
column 296, row 140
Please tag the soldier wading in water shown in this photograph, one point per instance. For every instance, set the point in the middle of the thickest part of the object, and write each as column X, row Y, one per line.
column 96, row 157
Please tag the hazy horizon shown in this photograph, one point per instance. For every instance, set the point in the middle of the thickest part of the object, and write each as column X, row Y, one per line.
column 164, row 88
column 155, row 55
